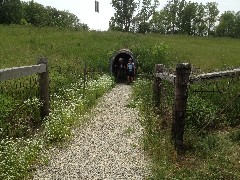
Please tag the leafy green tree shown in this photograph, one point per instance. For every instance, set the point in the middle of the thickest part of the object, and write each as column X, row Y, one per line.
column 124, row 14
column 237, row 25
column 159, row 22
column 188, row 18
column 171, row 10
column 10, row 11
column 24, row 13
column 180, row 20
column 144, row 27
column 146, row 8
column 227, row 24
column 36, row 14
column 200, row 22
column 212, row 15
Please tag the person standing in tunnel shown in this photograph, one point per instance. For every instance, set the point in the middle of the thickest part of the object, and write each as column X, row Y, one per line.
column 120, row 71
column 130, row 71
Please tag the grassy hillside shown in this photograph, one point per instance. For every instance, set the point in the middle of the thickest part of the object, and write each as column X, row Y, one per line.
column 22, row 45
column 203, row 52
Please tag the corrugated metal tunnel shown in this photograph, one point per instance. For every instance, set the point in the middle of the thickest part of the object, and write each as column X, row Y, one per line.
column 125, row 54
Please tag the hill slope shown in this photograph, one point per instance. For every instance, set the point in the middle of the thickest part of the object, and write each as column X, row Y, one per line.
column 21, row 45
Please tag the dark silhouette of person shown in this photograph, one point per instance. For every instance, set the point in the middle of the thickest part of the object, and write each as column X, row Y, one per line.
column 120, row 70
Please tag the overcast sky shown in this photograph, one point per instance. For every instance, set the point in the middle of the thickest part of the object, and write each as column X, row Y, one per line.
column 85, row 9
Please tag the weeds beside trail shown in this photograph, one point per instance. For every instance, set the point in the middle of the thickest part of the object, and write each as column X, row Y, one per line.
column 18, row 156
column 213, row 154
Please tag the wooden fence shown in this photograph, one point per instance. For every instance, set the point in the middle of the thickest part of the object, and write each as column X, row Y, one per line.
column 42, row 70
column 181, row 80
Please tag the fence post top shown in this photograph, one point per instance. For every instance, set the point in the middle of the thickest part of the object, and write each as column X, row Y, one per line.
column 184, row 66
column 42, row 60
column 159, row 67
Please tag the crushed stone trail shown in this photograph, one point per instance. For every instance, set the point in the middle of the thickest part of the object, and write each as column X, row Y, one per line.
column 106, row 148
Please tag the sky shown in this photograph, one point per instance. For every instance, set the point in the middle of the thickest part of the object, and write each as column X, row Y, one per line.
column 85, row 9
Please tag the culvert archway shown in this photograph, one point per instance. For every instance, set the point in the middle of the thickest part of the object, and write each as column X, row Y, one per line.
column 125, row 54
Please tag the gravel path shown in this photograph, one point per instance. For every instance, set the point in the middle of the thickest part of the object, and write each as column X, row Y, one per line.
column 107, row 148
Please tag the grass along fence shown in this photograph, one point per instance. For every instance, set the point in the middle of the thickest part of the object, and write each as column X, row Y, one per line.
column 27, row 92
column 20, row 155
column 22, row 145
column 42, row 70
column 181, row 79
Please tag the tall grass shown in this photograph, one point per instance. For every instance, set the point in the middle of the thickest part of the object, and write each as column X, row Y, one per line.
column 205, row 53
column 22, row 45
column 209, row 155
column 211, row 135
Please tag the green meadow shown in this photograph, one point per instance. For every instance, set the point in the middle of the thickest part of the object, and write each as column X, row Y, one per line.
column 203, row 52
column 21, row 45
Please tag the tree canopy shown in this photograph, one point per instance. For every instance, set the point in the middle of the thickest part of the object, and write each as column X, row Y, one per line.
column 32, row 13
column 177, row 17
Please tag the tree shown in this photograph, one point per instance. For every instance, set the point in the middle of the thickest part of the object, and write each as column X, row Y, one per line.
column 171, row 10
column 10, row 11
column 188, row 18
column 144, row 27
column 237, row 25
column 212, row 15
column 180, row 14
column 36, row 14
column 17, row 12
column 200, row 22
column 146, row 10
column 227, row 24
column 159, row 22
column 124, row 14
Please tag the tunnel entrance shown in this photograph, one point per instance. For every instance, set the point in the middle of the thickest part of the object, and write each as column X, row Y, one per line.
column 125, row 55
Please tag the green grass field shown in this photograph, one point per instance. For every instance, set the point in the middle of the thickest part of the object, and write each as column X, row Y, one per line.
column 22, row 45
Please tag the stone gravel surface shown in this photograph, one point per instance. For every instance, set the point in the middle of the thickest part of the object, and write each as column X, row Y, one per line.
column 106, row 148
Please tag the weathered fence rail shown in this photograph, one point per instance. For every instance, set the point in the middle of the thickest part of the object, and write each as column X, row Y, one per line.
column 215, row 75
column 17, row 72
column 166, row 76
column 42, row 70
column 181, row 80
column 202, row 77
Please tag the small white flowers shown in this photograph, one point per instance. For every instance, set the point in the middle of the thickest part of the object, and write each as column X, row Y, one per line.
column 68, row 108
column 33, row 102
column 17, row 155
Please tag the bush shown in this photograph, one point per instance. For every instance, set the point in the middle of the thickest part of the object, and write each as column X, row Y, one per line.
column 200, row 113
column 149, row 56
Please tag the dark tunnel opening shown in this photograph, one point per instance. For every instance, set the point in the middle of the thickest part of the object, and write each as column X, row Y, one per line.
column 125, row 54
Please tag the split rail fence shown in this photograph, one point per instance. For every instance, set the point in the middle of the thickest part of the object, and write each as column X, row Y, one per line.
column 181, row 80
column 42, row 70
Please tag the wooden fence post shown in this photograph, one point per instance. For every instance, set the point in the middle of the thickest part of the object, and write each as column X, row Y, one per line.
column 180, row 103
column 157, row 86
column 44, row 89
